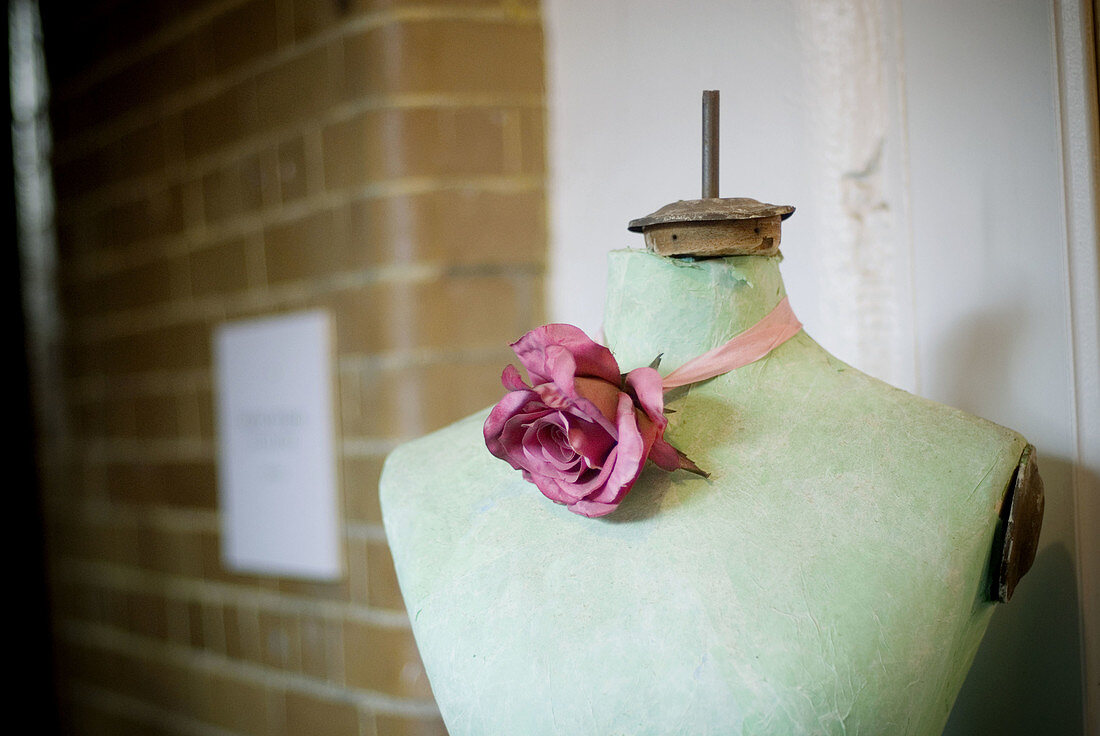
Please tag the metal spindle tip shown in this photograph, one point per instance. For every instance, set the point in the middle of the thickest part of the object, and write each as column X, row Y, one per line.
column 710, row 144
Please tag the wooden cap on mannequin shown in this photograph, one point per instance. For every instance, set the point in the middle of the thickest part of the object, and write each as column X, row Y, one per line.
column 712, row 226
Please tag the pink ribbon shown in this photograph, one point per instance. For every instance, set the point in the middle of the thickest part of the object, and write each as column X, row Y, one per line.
column 747, row 347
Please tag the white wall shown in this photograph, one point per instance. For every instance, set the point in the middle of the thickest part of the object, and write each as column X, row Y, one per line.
column 922, row 143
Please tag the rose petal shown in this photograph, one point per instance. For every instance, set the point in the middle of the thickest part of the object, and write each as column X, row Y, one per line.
column 512, row 379
column 630, row 454
column 557, row 492
column 590, row 358
column 590, row 441
column 601, row 408
column 505, row 409
column 511, row 435
column 664, row 455
column 646, row 383
column 535, row 443
column 603, row 395
column 592, row 509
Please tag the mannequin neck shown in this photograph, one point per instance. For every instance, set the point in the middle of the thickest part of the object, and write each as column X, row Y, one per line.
column 682, row 308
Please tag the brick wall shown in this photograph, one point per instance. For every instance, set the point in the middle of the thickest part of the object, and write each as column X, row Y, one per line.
column 214, row 160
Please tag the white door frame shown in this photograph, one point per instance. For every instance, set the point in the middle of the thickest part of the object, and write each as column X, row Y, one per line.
column 1075, row 39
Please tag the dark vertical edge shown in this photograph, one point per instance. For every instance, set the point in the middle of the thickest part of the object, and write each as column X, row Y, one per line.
column 38, row 699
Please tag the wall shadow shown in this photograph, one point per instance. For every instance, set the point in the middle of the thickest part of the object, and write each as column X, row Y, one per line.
column 1026, row 676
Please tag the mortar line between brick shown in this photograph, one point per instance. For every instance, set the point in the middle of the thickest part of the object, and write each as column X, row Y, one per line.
column 212, row 592
column 151, row 44
column 157, row 518
column 140, row 647
column 98, row 136
column 101, row 262
column 171, row 383
column 126, row 190
column 161, row 519
column 212, row 310
column 366, row 21
column 139, row 710
column 295, row 295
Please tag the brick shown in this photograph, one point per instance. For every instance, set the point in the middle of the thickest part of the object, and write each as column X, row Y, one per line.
column 77, row 233
column 173, row 347
column 147, row 81
column 142, row 286
column 358, row 150
column 467, row 312
column 357, row 569
column 221, row 268
column 384, row 660
column 308, row 714
column 321, row 590
column 382, row 588
column 468, row 57
column 188, row 550
column 221, row 120
column 369, row 5
column 299, row 89
column 311, row 18
column 373, row 319
column 453, row 226
column 368, row 60
column 119, row 419
column 239, row 188
column 195, row 625
column 474, row 57
column 320, row 640
column 449, row 312
column 214, row 569
column 123, row 545
column 156, row 416
column 533, row 140
column 234, row 642
column 177, row 619
column 389, row 725
column 242, row 633
column 85, row 719
column 281, row 644
column 179, row 483
column 168, row 685
column 292, row 169
column 158, row 214
column 379, row 411
column 480, row 384
column 139, row 152
column 442, row 142
column 316, row 234
column 360, row 478
column 233, row 704
column 205, row 401
column 241, row 35
column 148, row 615
column 451, row 142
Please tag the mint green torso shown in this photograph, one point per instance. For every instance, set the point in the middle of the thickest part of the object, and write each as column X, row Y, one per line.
column 830, row 577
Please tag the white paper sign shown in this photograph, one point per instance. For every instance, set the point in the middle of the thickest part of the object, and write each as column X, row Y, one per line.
column 280, row 505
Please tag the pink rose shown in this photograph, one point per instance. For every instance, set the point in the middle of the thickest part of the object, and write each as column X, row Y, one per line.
column 582, row 431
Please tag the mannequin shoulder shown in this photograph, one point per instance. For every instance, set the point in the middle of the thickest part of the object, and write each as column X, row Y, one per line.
column 442, row 476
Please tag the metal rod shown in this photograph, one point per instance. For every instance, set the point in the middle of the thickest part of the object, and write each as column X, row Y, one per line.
column 710, row 144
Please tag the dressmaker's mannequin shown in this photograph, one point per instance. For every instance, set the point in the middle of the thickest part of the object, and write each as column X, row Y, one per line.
column 833, row 575
column 832, row 572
